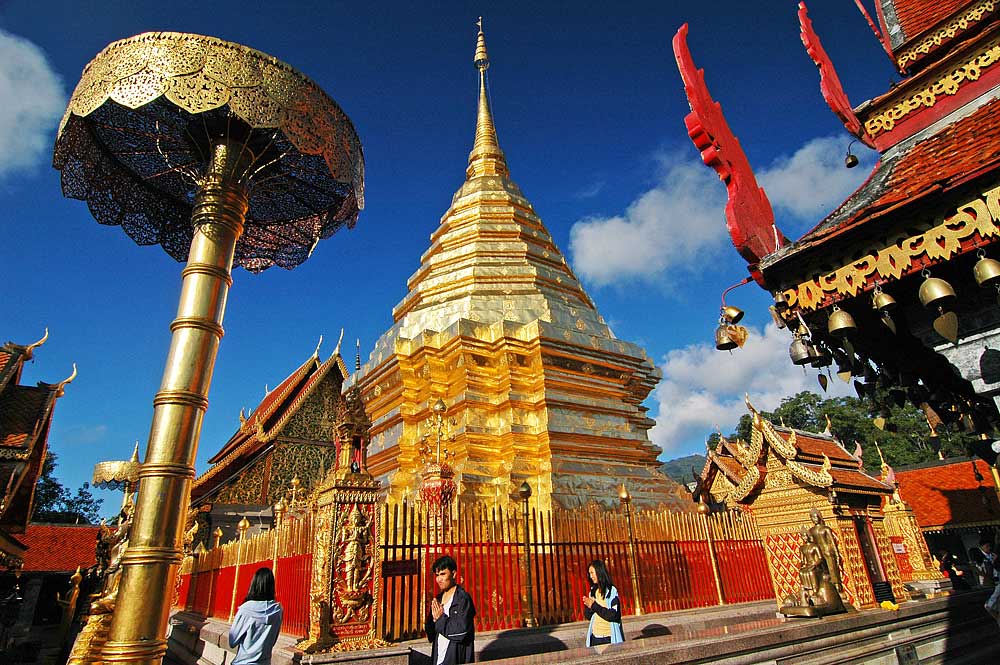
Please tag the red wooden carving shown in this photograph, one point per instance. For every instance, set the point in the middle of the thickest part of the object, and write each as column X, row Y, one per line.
column 829, row 83
column 748, row 212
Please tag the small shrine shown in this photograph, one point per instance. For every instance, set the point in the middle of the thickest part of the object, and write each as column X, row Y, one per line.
column 287, row 444
column 898, row 285
column 25, row 419
column 790, row 480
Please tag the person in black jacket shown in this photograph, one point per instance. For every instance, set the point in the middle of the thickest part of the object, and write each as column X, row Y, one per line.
column 450, row 624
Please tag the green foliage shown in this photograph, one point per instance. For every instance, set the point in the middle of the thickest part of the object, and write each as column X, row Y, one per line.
column 680, row 469
column 55, row 503
column 851, row 420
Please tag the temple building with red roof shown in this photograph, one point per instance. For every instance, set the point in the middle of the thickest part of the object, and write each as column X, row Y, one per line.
column 955, row 502
column 779, row 476
column 25, row 420
column 899, row 284
column 289, row 442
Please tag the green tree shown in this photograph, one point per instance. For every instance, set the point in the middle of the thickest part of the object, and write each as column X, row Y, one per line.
column 904, row 440
column 55, row 503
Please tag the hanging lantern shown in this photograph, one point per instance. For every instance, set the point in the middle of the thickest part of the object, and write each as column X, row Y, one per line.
column 986, row 270
column 841, row 323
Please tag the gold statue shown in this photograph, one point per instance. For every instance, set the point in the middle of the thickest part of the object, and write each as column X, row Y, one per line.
column 819, row 574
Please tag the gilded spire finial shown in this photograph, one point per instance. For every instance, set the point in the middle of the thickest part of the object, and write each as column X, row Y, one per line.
column 486, row 157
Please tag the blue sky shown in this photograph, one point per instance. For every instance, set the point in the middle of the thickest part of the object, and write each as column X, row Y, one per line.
column 589, row 110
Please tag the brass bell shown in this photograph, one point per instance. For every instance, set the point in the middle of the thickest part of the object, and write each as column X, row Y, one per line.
column 935, row 292
column 986, row 270
column 732, row 314
column 819, row 357
column 723, row 342
column 799, row 352
column 882, row 301
column 841, row 323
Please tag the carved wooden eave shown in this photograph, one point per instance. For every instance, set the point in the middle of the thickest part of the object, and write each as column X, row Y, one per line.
column 257, row 433
column 816, row 461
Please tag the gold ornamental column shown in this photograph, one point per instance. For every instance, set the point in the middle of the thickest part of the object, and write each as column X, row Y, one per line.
column 633, row 558
column 226, row 157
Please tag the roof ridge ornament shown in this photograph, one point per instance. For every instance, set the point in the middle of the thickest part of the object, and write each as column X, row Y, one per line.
column 61, row 386
column 318, row 344
column 30, row 349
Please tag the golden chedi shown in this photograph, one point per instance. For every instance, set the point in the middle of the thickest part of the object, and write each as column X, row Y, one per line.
column 535, row 385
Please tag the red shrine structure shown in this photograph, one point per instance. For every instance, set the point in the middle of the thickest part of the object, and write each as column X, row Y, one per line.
column 899, row 284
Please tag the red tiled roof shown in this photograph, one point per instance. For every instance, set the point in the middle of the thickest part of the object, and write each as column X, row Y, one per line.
column 23, row 410
column 58, row 547
column 948, row 494
column 966, row 148
column 812, row 448
column 915, row 16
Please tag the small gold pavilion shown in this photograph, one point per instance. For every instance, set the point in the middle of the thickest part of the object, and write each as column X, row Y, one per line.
column 536, row 386
column 779, row 476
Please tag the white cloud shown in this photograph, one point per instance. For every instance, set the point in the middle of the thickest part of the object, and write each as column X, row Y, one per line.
column 33, row 102
column 668, row 226
column 681, row 221
column 810, row 183
column 704, row 388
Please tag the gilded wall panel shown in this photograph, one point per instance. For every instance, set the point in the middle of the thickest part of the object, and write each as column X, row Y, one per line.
column 247, row 487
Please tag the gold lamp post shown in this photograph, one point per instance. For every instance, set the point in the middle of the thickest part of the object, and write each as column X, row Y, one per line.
column 224, row 156
column 524, row 493
column 633, row 559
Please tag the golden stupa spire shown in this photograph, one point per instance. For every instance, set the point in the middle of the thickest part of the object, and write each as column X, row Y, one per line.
column 486, row 157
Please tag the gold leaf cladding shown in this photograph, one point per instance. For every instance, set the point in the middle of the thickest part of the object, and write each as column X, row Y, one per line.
column 948, row 84
column 940, row 242
column 970, row 17
column 138, row 89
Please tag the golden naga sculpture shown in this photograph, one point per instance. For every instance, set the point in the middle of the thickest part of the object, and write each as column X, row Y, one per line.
column 819, row 574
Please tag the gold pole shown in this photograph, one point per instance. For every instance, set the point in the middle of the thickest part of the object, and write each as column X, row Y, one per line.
column 279, row 521
column 524, row 492
column 633, row 562
column 703, row 510
column 150, row 563
column 242, row 526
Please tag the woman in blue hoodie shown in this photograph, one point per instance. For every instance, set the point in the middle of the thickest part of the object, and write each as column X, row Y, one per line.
column 258, row 622
column 603, row 607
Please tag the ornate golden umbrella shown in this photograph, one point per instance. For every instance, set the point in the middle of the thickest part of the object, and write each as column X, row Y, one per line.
column 223, row 155
column 119, row 475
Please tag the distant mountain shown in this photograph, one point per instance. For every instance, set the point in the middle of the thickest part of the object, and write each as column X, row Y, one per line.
column 680, row 469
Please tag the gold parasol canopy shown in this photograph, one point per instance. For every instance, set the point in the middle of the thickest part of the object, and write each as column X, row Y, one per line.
column 118, row 474
column 137, row 139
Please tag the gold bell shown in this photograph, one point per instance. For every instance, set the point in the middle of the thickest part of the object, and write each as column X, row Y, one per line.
column 723, row 342
column 935, row 292
column 841, row 323
column 732, row 314
column 819, row 357
column 882, row 301
column 986, row 270
column 799, row 352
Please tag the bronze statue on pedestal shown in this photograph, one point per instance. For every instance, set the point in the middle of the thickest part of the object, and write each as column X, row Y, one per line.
column 819, row 574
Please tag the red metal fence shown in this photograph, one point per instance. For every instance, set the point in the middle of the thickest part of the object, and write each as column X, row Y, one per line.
column 678, row 560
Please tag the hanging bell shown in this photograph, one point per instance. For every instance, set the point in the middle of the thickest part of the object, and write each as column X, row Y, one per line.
column 799, row 352
column 986, row 270
column 819, row 357
column 732, row 314
column 723, row 341
column 882, row 301
column 841, row 323
column 935, row 292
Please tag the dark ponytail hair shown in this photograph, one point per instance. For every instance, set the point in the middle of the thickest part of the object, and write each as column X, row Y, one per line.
column 603, row 576
column 262, row 585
